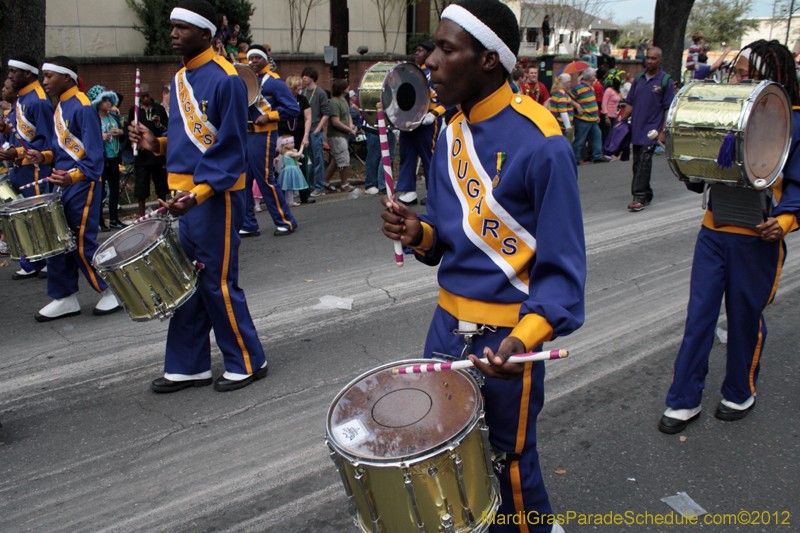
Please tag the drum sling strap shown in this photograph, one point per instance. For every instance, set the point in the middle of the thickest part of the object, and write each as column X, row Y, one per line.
column 738, row 206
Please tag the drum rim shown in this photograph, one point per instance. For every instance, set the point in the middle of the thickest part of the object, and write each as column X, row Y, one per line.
column 9, row 207
column 161, row 238
column 407, row 460
column 238, row 67
column 393, row 65
column 749, row 104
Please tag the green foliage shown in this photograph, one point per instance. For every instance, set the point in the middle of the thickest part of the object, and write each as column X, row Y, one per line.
column 155, row 27
column 720, row 20
column 632, row 32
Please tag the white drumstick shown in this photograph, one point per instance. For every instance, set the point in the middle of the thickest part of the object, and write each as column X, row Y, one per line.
column 653, row 135
column 460, row 365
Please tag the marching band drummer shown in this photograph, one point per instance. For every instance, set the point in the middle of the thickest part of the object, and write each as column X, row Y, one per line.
column 32, row 119
column 504, row 224
column 206, row 156
column 76, row 154
column 277, row 104
column 743, row 264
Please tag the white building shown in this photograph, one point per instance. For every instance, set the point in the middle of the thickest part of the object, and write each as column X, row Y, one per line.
column 775, row 28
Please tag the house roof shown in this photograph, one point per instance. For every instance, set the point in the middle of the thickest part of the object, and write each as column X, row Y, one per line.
column 534, row 12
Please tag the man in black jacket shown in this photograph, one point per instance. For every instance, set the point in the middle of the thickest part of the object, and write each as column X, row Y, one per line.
column 148, row 165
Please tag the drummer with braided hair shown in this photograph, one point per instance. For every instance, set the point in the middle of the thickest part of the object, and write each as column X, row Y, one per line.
column 743, row 264
column 76, row 154
column 504, row 225
column 31, row 125
column 206, row 156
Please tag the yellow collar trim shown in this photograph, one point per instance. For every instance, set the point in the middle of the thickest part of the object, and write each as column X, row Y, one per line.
column 66, row 95
column 491, row 105
column 28, row 88
column 264, row 70
column 200, row 59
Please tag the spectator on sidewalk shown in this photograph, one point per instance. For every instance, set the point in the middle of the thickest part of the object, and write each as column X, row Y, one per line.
column 320, row 111
column 147, row 166
column 299, row 128
column 534, row 88
column 586, row 122
column 339, row 129
column 605, row 51
column 111, row 124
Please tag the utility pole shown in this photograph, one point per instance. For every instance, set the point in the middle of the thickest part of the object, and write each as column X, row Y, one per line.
column 789, row 24
column 340, row 26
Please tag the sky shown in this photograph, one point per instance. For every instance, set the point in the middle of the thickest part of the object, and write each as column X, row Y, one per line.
column 625, row 10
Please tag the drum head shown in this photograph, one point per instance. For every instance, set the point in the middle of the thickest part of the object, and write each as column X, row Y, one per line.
column 25, row 203
column 250, row 81
column 401, row 88
column 129, row 243
column 383, row 416
column 768, row 133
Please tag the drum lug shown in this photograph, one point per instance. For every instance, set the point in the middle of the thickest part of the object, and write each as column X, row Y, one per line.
column 487, row 451
column 462, row 489
column 373, row 512
column 162, row 310
column 409, row 483
column 337, row 460
column 447, row 523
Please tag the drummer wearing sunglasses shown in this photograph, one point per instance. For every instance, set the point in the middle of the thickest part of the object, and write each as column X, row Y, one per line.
column 504, row 225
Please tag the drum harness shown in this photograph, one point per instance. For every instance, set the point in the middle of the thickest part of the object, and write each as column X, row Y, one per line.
column 468, row 330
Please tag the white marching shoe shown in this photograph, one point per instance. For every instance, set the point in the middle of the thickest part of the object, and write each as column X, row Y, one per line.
column 408, row 198
column 59, row 308
column 108, row 304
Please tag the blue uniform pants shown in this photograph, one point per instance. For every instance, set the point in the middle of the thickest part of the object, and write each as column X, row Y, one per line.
column 22, row 176
column 81, row 203
column 209, row 234
column 745, row 269
column 584, row 129
column 374, row 175
column 413, row 143
column 260, row 158
column 509, row 405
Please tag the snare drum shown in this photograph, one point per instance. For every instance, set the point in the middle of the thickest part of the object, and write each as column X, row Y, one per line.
column 403, row 90
column 147, row 269
column 7, row 192
column 36, row 227
column 757, row 119
column 413, row 451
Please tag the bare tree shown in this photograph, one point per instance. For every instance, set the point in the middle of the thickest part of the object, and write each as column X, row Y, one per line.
column 669, row 29
column 299, row 10
column 386, row 10
column 439, row 6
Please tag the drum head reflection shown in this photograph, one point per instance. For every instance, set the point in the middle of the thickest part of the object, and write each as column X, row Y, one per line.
column 383, row 416
column 405, row 96
column 25, row 203
column 129, row 243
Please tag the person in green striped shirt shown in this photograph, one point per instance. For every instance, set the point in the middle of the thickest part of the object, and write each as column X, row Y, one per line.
column 586, row 123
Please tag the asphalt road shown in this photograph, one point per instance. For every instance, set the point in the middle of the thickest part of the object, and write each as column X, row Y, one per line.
column 85, row 445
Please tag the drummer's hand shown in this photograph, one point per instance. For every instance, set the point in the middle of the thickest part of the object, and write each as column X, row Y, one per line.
column 770, row 230
column 8, row 155
column 263, row 120
column 34, row 157
column 60, row 179
column 143, row 136
column 497, row 367
column 178, row 208
column 401, row 223
column 662, row 136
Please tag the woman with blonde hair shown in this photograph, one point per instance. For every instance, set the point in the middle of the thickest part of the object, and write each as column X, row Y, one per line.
column 299, row 128
column 561, row 103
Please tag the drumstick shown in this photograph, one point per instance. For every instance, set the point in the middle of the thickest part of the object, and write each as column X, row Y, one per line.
column 162, row 209
column 136, row 113
column 653, row 135
column 460, row 365
column 24, row 146
column 44, row 180
column 387, row 171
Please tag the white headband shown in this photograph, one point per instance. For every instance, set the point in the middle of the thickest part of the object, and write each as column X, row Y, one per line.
column 257, row 52
column 746, row 53
column 193, row 18
column 483, row 33
column 61, row 70
column 22, row 66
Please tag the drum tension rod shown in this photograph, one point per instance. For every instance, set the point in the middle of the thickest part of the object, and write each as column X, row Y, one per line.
column 501, row 457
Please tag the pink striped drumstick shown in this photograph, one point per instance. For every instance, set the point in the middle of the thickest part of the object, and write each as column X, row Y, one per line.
column 459, row 365
column 162, row 209
column 387, row 171
column 136, row 112
column 45, row 180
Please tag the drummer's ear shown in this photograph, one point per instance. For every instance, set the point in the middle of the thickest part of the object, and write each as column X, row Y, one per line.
column 490, row 60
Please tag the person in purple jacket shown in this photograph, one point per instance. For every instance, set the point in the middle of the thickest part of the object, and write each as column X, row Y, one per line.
column 646, row 105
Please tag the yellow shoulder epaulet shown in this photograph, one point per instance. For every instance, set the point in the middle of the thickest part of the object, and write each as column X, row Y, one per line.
column 537, row 113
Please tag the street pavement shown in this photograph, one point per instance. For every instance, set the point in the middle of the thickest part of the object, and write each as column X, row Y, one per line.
column 86, row 446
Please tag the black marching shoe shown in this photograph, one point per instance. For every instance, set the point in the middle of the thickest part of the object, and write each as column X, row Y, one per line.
column 730, row 414
column 670, row 425
column 227, row 385
column 164, row 385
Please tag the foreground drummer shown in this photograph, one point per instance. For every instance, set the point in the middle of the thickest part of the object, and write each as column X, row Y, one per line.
column 76, row 154
column 277, row 103
column 504, row 223
column 206, row 156
column 31, row 123
column 743, row 264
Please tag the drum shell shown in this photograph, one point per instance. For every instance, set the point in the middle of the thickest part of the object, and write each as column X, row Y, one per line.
column 158, row 280
column 37, row 231
column 7, row 192
column 433, row 476
column 373, row 90
column 703, row 114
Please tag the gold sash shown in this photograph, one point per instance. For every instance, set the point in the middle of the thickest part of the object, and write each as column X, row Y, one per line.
column 201, row 132
column 66, row 140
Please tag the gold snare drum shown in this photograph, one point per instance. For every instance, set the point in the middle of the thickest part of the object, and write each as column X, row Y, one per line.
column 413, row 451
column 36, row 227
column 403, row 90
column 147, row 269
column 7, row 192
column 757, row 119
